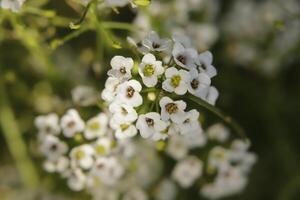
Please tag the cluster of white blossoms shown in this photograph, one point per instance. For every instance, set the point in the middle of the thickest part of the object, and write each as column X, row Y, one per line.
column 13, row 5
column 147, row 97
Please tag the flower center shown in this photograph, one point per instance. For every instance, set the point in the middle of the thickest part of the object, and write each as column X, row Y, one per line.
column 100, row 149
column 194, row 84
column 124, row 127
column 171, row 108
column 71, row 124
column 186, row 121
column 148, row 70
column 175, row 80
column 53, row 147
column 130, row 92
column 123, row 70
column 94, row 126
column 181, row 59
column 149, row 121
column 79, row 155
column 155, row 45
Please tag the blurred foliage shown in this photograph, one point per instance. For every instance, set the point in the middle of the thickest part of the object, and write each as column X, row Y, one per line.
column 42, row 59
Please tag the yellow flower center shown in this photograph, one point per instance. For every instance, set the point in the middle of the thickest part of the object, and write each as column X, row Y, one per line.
column 124, row 127
column 175, row 80
column 79, row 155
column 94, row 126
column 148, row 70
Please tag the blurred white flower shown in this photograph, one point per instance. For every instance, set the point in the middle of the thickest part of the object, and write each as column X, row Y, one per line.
column 96, row 126
column 77, row 180
column 108, row 170
column 187, row 171
column 103, row 146
column 150, row 69
column 52, row 148
column 173, row 110
column 71, row 123
column 177, row 147
column 59, row 165
column 84, row 95
column 218, row 132
column 13, row 5
column 135, row 194
column 154, row 43
column 121, row 68
column 82, row 156
column 149, row 124
column 166, row 190
column 128, row 93
column 47, row 124
column 176, row 81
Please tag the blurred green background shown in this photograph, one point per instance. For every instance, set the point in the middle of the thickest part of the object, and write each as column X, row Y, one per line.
column 37, row 76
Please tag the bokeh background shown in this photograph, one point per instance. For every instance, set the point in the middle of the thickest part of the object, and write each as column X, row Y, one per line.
column 256, row 47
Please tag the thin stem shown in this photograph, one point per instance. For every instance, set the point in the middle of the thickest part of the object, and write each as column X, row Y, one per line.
column 75, row 25
column 15, row 142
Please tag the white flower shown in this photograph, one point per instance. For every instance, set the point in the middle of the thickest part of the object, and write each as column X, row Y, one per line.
column 59, row 165
column 163, row 134
column 96, row 126
column 13, row 5
column 108, row 169
column 121, row 68
column 218, row 132
column 212, row 95
column 128, row 93
column 219, row 159
column 184, row 57
column 195, row 139
column 77, row 180
column 198, row 83
column 71, row 123
column 82, row 156
column 84, row 95
column 154, row 43
column 123, row 112
column 190, row 123
column 166, row 190
column 123, row 130
column 149, row 124
column 204, row 64
column 109, row 92
column 183, row 40
column 47, row 124
column 173, row 110
column 52, row 147
column 150, row 69
column 176, row 81
column 103, row 146
column 187, row 171
column 177, row 147
column 135, row 193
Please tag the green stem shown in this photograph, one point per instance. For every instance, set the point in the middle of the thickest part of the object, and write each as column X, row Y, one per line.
column 15, row 142
column 231, row 122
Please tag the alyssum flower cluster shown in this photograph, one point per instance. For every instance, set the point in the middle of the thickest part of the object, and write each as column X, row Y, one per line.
column 147, row 96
